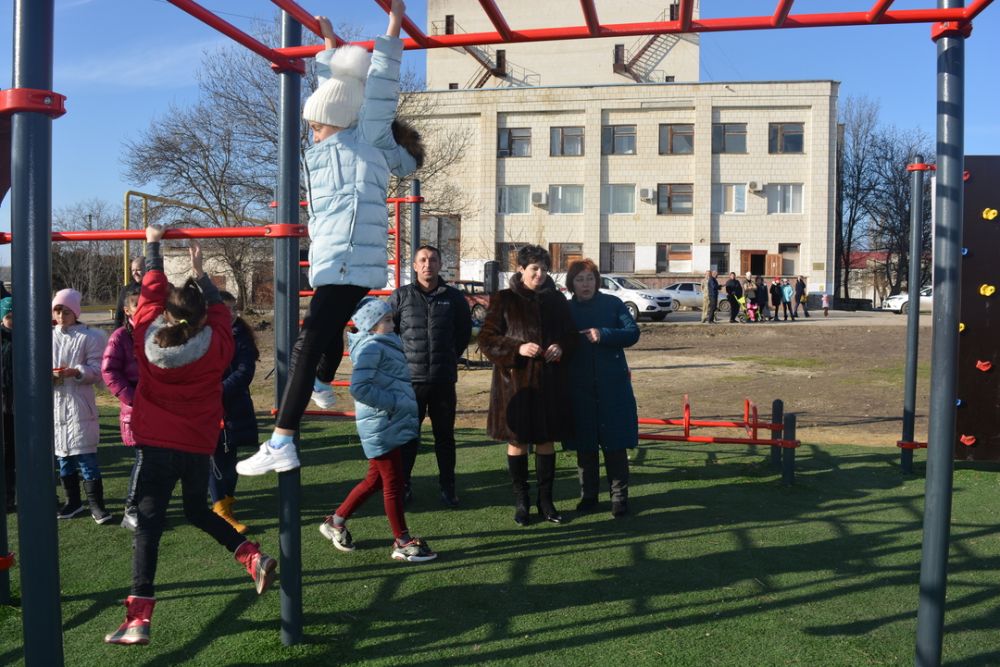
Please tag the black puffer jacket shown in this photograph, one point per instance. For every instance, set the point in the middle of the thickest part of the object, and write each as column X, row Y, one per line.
column 435, row 327
column 239, row 418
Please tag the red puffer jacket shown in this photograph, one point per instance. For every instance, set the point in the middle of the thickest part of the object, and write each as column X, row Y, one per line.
column 178, row 402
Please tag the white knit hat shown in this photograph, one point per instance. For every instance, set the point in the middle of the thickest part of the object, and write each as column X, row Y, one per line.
column 337, row 101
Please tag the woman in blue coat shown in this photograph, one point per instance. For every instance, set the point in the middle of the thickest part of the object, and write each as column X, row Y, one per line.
column 603, row 403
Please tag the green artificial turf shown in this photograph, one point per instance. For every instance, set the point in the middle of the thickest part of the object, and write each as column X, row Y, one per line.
column 718, row 564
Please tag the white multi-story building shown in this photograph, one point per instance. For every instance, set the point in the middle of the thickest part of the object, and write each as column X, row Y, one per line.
column 660, row 179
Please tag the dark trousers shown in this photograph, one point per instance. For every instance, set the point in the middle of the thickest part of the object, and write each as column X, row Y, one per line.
column 616, row 467
column 386, row 473
column 734, row 307
column 8, row 458
column 222, row 480
column 320, row 340
column 437, row 400
column 713, row 304
column 159, row 469
column 799, row 301
column 130, row 487
column 786, row 309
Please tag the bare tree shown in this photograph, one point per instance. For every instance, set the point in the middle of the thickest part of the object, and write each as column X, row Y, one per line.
column 889, row 206
column 856, row 157
column 94, row 268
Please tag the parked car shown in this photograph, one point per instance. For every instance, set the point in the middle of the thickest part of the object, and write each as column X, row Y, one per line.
column 689, row 295
column 900, row 303
column 475, row 296
column 640, row 299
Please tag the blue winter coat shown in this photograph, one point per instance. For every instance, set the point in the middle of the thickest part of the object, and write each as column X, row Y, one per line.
column 239, row 421
column 384, row 403
column 347, row 176
column 604, row 407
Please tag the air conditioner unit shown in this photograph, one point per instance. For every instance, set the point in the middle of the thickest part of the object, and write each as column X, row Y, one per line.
column 540, row 198
column 755, row 186
column 647, row 194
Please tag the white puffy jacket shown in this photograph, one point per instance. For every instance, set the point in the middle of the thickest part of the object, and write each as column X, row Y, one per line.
column 74, row 406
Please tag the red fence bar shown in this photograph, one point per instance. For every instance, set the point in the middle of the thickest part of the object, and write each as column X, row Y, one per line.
column 229, row 30
column 787, row 444
column 268, row 231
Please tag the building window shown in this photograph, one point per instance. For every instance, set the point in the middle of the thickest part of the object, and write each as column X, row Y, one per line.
column 729, row 198
column 513, row 199
column 514, row 142
column 789, row 258
column 676, row 139
column 720, row 258
column 785, row 138
column 729, row 137
column 617, row 257
column 507, row 255
column 674, row 198
column 565, row 141
column 618, row 140
column 564, row 254
column 618, row 198
column 565, row 199
column 673, row 258
column 784, row 197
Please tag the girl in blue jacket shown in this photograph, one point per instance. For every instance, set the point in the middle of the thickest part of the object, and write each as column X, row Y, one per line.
column 386, row 415
column 346, row 171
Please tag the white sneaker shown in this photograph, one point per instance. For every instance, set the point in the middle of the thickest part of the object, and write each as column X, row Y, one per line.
column 267, row 459
column 324, row 399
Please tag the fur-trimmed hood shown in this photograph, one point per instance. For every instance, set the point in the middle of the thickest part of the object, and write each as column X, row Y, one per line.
column 180, row 355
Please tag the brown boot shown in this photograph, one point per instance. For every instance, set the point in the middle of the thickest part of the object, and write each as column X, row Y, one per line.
column 259, row 565
column 138, row 616
column 224, row 508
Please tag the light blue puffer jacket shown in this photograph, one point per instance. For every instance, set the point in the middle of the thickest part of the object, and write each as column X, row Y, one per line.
column 347, row 176
column 384, row 403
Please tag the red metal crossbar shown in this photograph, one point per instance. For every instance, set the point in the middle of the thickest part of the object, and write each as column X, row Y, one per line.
column 903, row 444
column 269, row 231
column 7, row 562
column 750, row 424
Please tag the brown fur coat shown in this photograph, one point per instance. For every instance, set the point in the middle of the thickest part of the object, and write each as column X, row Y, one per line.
column 529, row 398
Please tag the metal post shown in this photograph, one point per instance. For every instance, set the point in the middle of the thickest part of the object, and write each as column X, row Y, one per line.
column 4, row 547
column 777, row 415
column 31, row 222
column 944, row 343
column 286, row 322
column 414, row 228
column 788, row 453
column 913, row 314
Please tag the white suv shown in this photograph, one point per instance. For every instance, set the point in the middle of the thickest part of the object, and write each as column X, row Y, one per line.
column 639, row 299
column 900, row 303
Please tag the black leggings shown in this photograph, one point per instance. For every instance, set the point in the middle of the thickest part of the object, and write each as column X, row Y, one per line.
column 158, row 470
column 318, row 349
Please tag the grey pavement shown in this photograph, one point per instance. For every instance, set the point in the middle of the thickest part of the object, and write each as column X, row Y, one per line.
column 836, row 318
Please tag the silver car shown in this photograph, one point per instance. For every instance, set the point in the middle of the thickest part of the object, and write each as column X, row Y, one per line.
column 689, row 295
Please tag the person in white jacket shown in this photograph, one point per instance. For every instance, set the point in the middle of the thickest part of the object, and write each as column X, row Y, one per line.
column 76, row 367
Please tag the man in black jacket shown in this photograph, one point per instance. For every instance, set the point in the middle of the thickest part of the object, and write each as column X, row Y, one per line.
column 733, row 291
column 435, row 323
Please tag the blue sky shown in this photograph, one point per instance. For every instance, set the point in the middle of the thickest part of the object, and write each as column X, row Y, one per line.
column 122, row 62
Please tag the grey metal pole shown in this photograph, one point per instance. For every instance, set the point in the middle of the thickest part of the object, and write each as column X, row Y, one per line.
column 913, row 314
column 31, row 222
column 944, row 343
column 777, row 415
column 286, row 323
column 414, row 228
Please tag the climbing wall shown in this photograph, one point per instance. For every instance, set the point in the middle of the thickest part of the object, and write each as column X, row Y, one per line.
column 978, row 424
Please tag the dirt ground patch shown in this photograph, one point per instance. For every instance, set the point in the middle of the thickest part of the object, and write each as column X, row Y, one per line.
column 844, row 381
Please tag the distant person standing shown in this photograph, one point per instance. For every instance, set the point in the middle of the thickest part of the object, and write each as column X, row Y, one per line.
column 787, row 294
column 435, row 324
column 733, row 292
column 709, row 297
column 138, row 268
column 776, row 295
column 800, row 297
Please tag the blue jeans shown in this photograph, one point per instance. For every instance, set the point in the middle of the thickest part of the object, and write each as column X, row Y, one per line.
column 85, row 463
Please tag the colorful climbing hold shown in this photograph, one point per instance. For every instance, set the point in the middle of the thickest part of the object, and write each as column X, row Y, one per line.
column 987, row 290
column 983, row 365
column 968, row 440
column 989, row 214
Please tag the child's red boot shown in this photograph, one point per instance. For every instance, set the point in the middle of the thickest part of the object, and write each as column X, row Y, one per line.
column 138, row 616
column 259, row 565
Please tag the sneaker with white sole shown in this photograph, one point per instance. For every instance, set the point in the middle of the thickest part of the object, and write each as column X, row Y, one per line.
column 341, row 537
column 269, row 459
column 414, row 551
column 324, row 398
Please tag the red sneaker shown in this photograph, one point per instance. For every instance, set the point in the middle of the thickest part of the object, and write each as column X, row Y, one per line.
column 259, row 565
column 138, row 616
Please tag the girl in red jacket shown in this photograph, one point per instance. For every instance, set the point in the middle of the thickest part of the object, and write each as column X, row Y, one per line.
column 183, row 344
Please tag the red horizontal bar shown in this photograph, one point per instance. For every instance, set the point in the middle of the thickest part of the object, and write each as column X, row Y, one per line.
column 17, row 100
column 373, row 292
column 304, row 263
column 234, row 33
column 709, row 424
column 903, row 444
column 920, row 166
column 269, row 231
column 787, row 444
column 305, row 18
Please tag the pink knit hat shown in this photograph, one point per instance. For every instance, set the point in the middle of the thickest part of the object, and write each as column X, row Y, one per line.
column 68, row 298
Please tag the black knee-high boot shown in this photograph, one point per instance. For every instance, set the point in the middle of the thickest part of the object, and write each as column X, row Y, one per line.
column 95, row 497
column 545, row 470
column 518, row 467
column 73, row 506
column 616, row 465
